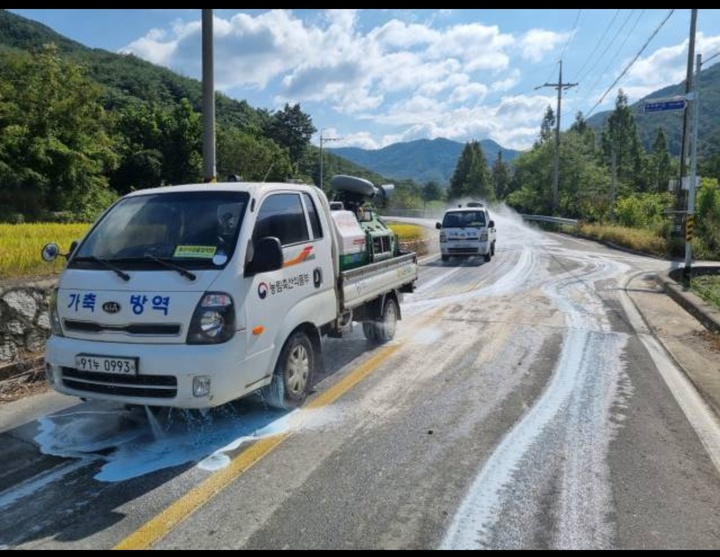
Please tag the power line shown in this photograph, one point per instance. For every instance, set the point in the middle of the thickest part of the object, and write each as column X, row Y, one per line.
column 617, row 52
column 713, row 56
column 572, row 34
column 612, row 41
column 607, row 49
column 597, row 45
column 657, row 29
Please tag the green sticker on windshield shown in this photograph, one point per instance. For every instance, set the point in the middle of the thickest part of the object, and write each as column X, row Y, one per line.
column 205, row 252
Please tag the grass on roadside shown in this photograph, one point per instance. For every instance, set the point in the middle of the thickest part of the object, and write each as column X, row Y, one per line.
column 708, row 288
column 638, row 239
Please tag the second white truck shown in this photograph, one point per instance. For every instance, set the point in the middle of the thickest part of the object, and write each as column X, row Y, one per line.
column 196, row 295
column 467, row 232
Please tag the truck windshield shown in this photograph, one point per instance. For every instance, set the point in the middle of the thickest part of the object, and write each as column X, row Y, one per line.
column 193, row 229
column 462, row 219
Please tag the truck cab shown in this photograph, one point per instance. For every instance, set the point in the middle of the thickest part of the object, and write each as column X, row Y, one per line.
column 467, row 232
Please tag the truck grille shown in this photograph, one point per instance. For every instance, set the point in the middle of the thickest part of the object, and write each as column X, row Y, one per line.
column 154, row 329
column 464, row 251
column 148, row 386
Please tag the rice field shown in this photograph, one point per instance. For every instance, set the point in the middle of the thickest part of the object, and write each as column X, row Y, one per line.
column 21, row 244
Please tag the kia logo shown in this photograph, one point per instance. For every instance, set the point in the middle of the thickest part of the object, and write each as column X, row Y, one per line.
column 111, row 307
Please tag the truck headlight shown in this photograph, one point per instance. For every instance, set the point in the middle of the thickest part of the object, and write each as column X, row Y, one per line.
column 55, row 325
column 442, row 237
column 213, row 321
column 483, row 236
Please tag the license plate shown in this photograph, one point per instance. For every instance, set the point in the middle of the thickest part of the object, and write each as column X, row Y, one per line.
column 106, row 364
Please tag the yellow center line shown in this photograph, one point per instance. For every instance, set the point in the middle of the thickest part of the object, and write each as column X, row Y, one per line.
column 161, row 525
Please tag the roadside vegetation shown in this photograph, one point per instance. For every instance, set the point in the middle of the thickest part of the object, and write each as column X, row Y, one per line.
column 708, row 288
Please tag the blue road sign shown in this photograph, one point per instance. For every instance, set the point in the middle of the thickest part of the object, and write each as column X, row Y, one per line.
column 660, row 106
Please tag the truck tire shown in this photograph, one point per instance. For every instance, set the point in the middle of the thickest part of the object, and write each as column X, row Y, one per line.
column 293, row 373
column 383, row 329
column 488, row 255
column 445, row 257
column 369, row 330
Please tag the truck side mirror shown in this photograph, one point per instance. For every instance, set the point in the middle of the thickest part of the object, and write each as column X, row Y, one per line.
column 491, row 224
column 268, row 256
column 438, row 225
column 50, row 252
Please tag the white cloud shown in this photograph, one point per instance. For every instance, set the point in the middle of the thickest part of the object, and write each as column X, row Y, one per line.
column 538, row 42
column 418, row 80
column 507, row 83
column 470, row 92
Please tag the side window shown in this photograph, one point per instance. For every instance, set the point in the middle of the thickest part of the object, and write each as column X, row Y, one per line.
column 314, row 217
column 282, row 215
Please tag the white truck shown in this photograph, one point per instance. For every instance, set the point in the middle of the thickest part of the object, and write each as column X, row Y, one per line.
column 467, row 232
column 196, row 295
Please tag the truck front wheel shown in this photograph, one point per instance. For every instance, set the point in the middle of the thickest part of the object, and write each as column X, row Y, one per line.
column 293, row 373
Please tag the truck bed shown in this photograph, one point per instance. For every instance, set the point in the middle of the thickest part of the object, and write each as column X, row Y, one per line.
column 363, row 284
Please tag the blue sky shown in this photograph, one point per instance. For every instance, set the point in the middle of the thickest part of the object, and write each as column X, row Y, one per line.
column 373, row 77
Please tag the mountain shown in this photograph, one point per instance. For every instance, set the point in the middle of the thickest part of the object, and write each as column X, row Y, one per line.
column 672, row 121
column 422, row 160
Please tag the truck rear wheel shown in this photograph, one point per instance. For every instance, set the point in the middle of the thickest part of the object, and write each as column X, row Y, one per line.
column 293, row 373
column 384, row 329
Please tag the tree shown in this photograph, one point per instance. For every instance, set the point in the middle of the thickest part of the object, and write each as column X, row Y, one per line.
column 471, row 177
column 580, row 125
column 251, row 157
column 547, row 127
column 660, row 165
column 55, row 152
column 501, row 177
column 620, row 139
column 182, row 144
column 291, row 128
column 432, row 192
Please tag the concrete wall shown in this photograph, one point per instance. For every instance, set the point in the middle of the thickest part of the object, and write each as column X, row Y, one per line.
column 24, row 323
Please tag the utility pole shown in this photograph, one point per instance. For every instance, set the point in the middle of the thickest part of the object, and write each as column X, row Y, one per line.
column 688, row 88
column 322, row 141
column 208, row 86
column 556, row 180
column 690, row 217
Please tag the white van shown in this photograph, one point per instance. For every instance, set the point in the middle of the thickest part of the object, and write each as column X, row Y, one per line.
column 467, row 232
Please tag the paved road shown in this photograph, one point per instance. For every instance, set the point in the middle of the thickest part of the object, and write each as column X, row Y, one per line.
column 528, row 402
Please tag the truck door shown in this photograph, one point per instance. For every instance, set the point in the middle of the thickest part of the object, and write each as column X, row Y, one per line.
column 303, row 289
